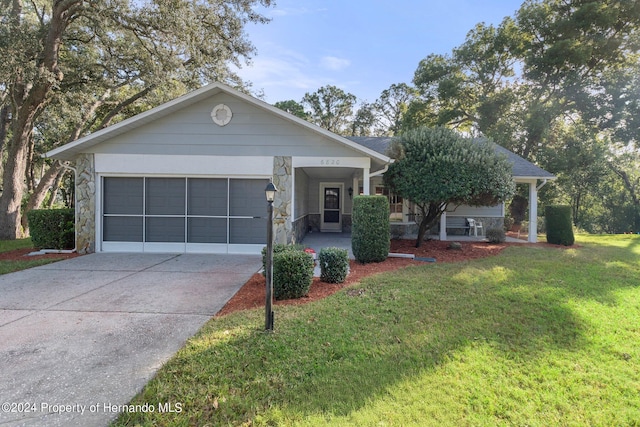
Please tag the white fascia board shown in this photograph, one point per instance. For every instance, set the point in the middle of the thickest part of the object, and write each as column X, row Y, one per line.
column 141, row 164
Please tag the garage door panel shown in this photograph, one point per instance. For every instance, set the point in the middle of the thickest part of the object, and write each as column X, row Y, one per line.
column 207, row 230
column 164, row 229
column 246, row 197
column 247, row 231
column 123, row 196
column 122, row 229
column 165, row 196
column 207, row 196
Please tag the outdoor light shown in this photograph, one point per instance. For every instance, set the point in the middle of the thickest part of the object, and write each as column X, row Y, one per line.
column 270, row 193
column 350, row 191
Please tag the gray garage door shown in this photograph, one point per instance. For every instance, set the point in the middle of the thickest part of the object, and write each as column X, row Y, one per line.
column 215, row 215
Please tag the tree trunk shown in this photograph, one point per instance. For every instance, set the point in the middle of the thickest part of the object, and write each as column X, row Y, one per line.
column 13, row 187
column 430, row 215
column 40, row 192
column 54, row 189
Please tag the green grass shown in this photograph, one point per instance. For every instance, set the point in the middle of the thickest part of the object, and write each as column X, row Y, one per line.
column 536, row 336
column 9, row 266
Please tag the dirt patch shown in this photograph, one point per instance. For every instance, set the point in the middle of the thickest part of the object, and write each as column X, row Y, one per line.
column 23, row 255
column 252, row 294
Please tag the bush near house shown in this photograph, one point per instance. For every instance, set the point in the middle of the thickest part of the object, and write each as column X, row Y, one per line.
column 370, row 235
column 496, row 235
column 559, row 225
column 334, row 265
column 292, row 274
column 277, row 248
column 52, row 228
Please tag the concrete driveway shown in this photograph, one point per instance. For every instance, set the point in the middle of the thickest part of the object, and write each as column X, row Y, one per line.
column 81, row 336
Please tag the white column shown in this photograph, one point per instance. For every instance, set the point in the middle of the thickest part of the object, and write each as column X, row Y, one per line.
column 356, row 186
column 443, row 226
column 533, row 212
column 365, row 182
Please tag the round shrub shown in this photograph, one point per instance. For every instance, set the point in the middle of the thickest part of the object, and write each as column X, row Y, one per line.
column 292, row 274
column 277, row 248
column 370, row 235
column 559, row 225
column 334, row 265
column 52, row 228
column 496, row 235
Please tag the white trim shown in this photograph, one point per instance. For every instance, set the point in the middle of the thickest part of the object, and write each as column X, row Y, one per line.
column 167, row 165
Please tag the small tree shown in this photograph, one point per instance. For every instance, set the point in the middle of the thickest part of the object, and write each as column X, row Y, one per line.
column 436, row 167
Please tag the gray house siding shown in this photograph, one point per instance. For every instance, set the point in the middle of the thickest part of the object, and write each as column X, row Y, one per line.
column 251, row 132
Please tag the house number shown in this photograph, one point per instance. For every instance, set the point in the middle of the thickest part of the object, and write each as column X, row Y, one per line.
column 329, row 162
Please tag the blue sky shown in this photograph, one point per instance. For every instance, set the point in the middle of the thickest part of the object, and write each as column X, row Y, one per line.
column 360, row 46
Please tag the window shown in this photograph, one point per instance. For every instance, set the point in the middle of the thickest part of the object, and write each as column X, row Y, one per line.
column 395, row 203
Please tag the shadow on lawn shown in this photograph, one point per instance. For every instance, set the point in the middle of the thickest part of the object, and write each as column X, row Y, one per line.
column 520, row 311
column 336, row 356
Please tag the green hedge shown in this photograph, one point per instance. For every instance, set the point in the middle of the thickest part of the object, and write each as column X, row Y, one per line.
column 292, row 274
column 334, row 265
column 52, row 228
column 277, row 248
column 370, row 235
column 559, row 225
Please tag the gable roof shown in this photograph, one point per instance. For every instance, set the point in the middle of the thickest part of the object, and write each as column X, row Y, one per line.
column 522, row 168
column 72, row 149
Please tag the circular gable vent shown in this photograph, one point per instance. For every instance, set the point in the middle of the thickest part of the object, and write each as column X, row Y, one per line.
column 221, row 115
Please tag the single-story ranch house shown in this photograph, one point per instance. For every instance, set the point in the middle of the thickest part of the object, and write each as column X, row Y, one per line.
column 189, row 176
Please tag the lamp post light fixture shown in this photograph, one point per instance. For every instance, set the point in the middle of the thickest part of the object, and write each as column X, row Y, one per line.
column 270, row 193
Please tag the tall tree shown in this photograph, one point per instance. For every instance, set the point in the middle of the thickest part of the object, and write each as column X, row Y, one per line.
column 292, row 107
column 331, row 108
column 436, row 167
column 391, row 107
column 118, row 52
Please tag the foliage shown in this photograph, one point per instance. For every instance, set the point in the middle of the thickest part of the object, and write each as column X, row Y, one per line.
column 436, row 167
column 277, row 248
column 292, row 107
column 518, row 209
column 559, row 225
column 70, row 69
column 292, row 274
column 52, row 228
column 528, row 337
column 334, row 265
column 496, row 235
column 330, row 108
column 370, row 229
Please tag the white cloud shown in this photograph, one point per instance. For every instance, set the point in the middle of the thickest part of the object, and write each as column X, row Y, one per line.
column 334, row 63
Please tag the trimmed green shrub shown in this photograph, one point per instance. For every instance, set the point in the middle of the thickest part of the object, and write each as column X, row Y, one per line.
column 559, row 225
column 370, row 235
column 277, row 248
column 292, row 274
column 52, row 228
column 496, row 235
column 334, row 265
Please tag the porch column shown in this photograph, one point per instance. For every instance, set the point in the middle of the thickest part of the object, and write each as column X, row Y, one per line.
column 443, row 226
column 533, row 212
column 366, row 190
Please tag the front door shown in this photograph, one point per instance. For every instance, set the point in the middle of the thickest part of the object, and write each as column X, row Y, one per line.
column 331, row 207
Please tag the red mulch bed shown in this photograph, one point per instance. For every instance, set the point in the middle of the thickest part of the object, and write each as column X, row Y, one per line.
column 23, row 255
column 252, row 294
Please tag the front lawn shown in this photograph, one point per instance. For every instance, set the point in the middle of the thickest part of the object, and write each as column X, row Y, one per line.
column 534, row 336
column 10, row 262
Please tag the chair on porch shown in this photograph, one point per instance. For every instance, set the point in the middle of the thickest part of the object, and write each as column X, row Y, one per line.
column 475, row 225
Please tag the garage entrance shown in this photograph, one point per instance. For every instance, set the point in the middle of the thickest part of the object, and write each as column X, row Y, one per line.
column 168, row 214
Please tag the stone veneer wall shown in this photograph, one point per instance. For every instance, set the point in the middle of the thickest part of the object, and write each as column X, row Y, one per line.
column 85, row 204
column 282, row 179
